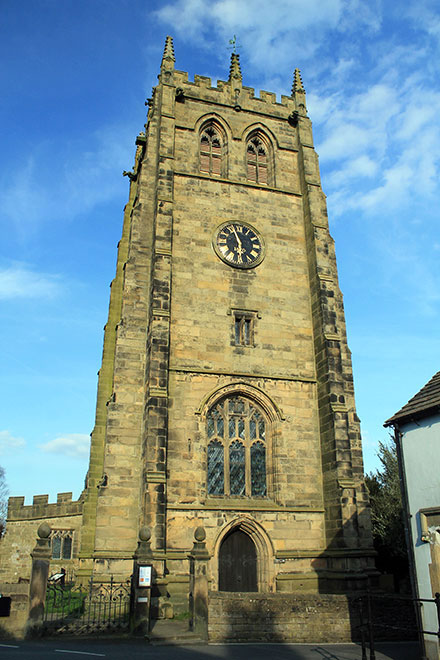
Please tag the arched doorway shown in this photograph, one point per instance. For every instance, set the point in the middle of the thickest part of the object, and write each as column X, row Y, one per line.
column 237, row 563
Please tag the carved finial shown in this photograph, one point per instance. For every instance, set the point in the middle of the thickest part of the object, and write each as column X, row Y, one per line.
column 168, row 58
column 234, row 69
column 297, row 82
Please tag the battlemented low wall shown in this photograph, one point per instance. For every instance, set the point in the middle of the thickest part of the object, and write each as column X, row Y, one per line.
column 64, row 515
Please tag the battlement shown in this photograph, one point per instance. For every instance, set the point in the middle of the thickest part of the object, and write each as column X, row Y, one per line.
column 223, row 88
column 42, row 508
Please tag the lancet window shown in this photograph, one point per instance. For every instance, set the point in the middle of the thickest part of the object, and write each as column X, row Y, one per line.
column 237, row 448
column 257, row 159
column 211, row 151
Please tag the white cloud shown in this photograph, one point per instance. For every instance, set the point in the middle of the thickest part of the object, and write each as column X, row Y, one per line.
column 72, row 445
column 8, row 442
column 270, row 36
column 19, row 281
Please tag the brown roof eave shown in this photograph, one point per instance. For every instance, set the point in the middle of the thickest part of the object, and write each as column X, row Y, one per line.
column 398, row 420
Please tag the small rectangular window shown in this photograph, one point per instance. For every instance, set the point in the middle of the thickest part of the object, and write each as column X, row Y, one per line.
column 244, row 328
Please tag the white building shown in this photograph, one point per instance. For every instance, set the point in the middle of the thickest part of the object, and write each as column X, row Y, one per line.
column 417, row 434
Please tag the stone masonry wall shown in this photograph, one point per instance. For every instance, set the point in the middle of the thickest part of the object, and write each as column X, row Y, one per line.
column 21, row 533
column 300, row 618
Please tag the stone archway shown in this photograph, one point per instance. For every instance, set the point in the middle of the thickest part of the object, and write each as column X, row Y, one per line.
column 259, row 553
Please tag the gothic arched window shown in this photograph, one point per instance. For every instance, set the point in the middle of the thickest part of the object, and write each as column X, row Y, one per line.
column 237, row 448
column 211, row 151
column 257, row 160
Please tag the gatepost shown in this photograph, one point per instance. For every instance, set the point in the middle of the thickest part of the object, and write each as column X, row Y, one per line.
column 199, row 558
column 41, row 555
column 141, row 587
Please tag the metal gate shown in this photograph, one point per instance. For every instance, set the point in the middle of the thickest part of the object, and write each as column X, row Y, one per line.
column 80, row 610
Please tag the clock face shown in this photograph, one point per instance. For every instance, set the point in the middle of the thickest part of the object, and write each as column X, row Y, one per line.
column 238, row 244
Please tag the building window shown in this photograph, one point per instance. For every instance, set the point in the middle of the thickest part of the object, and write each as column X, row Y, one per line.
column 243, row 330
column 257, row 161
column 62, row 542
column 211, row 151
column 237, row 448
column 244, row 323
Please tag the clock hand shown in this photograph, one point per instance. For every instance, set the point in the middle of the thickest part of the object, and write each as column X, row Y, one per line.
column 236, row 236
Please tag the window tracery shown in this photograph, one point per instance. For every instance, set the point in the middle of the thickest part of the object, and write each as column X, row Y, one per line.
column 211, row 151
column 62, row 542
column 257, row 160
column 237, row 448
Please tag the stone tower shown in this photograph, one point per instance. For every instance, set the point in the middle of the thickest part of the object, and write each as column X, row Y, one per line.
column 225, row 397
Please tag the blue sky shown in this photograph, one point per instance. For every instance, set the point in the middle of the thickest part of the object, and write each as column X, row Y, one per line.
column 75, row 77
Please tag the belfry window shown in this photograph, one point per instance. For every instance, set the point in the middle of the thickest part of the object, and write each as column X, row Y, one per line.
column 237, row 447
column 244, row 328
column 257, row 161
column 210, row 151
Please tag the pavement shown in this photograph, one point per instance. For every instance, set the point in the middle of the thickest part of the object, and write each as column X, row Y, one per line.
column 171, row 640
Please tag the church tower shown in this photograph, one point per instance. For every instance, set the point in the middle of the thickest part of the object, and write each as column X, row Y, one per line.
column 225, row 397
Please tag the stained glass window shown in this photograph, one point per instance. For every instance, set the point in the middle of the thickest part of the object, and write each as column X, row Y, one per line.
column 216, row 472
column 237, row 460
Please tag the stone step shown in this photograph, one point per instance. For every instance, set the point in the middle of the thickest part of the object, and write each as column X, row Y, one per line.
column 169, row 631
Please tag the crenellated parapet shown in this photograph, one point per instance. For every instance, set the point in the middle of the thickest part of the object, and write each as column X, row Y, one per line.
column 42, row 508
column 221, row 93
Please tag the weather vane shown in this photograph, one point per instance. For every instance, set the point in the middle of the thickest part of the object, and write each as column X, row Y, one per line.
column 233, row 44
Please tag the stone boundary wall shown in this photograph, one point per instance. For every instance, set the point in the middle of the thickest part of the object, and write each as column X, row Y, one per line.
column 13, row 626
column 304, row 618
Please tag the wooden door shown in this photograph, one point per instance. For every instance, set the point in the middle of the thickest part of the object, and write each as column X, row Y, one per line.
column 238, row 563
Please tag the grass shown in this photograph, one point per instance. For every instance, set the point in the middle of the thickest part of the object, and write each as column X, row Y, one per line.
column 64, row 601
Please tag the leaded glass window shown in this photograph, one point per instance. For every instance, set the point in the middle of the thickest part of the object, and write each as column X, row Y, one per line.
column 61, row 541
column 237, row 475
column 67, row 547
column 258, row 468
column 216, row 474
column 237, row 450
column 56, row 547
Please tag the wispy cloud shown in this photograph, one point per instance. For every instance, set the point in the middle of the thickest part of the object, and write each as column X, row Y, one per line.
column 87, row 172
column 8, row 442
column 278, row 31
column 72, row 445
column 20, row 281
